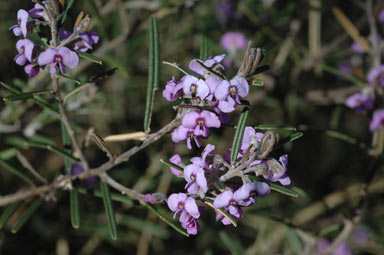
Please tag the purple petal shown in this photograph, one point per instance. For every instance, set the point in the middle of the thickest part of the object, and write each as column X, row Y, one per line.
column 211, row 119
column 233, row 41
column 31, row 70
column 374, row 73
column 223, row 199
column 70, row 58
column 196, row 67
column 64, row 34
column 176, row 159
column 189, row 170
column 187, row 83
column 192, row 187
column 46, row 57
column 190, row 119
column 28, row 49
column 212, row 81
column 377, row 120
column 201, row 180
column 23, row 27
column 249, row 132
column 202, row 89
column 244, row 192
column 16, row 30
column 209, row 148
column 380, row 16
column 149, row 198
column 284, row 180
column 222, row 90
column 190, row 207
column 175, row 199
column 179, row 134
column 20, row 59
column 226, row 107
column 22, row 14
column 53, row 70
column 262, row 189
column 241, row 85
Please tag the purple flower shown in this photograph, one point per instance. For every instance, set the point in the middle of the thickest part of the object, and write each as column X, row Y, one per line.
column 360, row 102
column 342, row 249
column 196, row 181
column 246, row 194
column 275, row 174
column 377, row 120
column 181, row 133
column 173, row 90
column 250, row 137
column 357, row 48
column 195, row 87
column 32, row 70
column 62, row 57
column 37, row 12
column 87, row 40
column 22, row 20
column 175, row 159
column 233, row 41
column 380, row 16
column 200, row 122
column 25, row 49
column 149, row 198
column 191, row 226
column 227, row 201
column 184, row 206
column 376, row 74
column 229, row 93
column 210, row 62
column 77, row 169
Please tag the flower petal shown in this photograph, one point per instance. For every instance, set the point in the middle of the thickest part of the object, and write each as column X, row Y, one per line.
column 223, row 199
column 70, row 58
column 46, row 57
column 190, row 119
column 222, row 90
column 190, row 207
column 211, row 119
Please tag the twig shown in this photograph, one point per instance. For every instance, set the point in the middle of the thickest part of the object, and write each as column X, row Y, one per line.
column 29, row 167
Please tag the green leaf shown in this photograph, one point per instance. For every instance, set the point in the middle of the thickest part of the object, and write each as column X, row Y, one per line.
column 294, row 240
column 163, row 218
column 237, row 139
column 178, row 67
column 153, row 72
column 23, row 96
column 109, row 212
column 68, row 6
column 7, row 153
column 74, row 208
column 290, row 138
column 208, row 202
column 89, row 57
column 26, row 215
column 276, row 187
column 67, row 146
column 344, row 137
column 8, row 212
column 170, row 164
column 15, row 171
column 203, row 48
column 41, row 102
column 275, row 127
column 68, row 78
column 233, row 245
column 52, row 148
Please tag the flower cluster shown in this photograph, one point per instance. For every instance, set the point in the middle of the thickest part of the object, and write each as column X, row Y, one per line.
column 208, row 180
column 210, row 89
column 60, row 55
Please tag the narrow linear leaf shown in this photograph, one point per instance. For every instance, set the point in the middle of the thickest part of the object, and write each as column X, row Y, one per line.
column 37, row 100
column 276, row 127
column 170, row 164
column 52, row 148
column 294, row 240
column 203, row 48
column 178, row 67
column 153, row 71
column 68, row 78
column 222, row 212
column 290, row 138
column 68, row 6
column 7, row 153
column 103, row 75
column 74, row 208
column 109, row 212
column 237, row 139
column 23, row 96
column 345, row 76
column 66, row 139
column 163, row 218
column 89, row 57
column 26, row 215
column 341, row 136
column 15, row 171
column 233, row 245
column 114, row 196
column 8, row 212
column 260, row 69
column 275, row 187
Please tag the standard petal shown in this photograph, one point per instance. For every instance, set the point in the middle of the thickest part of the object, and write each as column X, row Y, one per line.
column 47, row 57
column 211, row 119
column 190, row 119
column 196, row 67
column 374, row 73
column 192, row 187
column 189, row 170
column 223, row 199
column 201, row 180
column 70, row 58
column 262, row 188
column 190, row 207
column 22, row 14
column 285, row 180
column 249, row 132
column 188, row 81
column 244, row 192
column 202, row 89
column 226, row 107
column 179, row 134
column 241, row 85
column 20, row 59
column 174, row 200
column 222, row 90
column 28, row 49
column 23, row 27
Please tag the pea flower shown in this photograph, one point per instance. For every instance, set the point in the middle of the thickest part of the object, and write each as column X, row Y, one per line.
column 195, row 87
column 211, row 62
column 77, row 169
column 63, row 57
column 250, row 137
column 37, row 12
column 377, row 120
column 25, row 49
column 173, row 90
column 233, row 41
column 187, row 208
column 277, row 171
column 376, row 74
column 229, row 93
column 360, row 102
column 176, row 159
column 181, row 133
column 87, row 40
column 22, row 20
column 31, row 70
column 196, row 181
